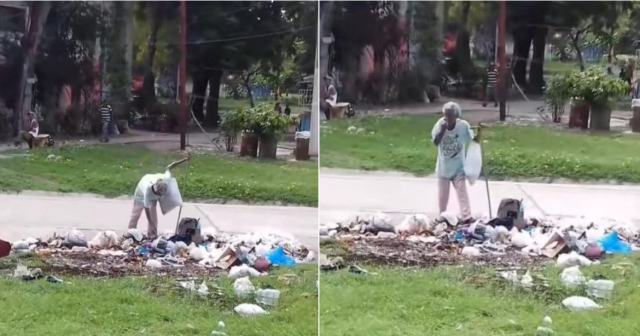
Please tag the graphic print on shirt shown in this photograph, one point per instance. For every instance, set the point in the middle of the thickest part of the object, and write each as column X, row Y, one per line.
column 450, row 145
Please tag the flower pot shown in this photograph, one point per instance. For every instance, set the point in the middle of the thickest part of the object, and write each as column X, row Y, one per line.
column 249, row 144
column 268, row 147
column 600, row 117
column 579, row 114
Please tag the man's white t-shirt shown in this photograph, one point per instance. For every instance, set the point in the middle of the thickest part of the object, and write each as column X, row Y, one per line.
column 452, row 148
column 144, row 194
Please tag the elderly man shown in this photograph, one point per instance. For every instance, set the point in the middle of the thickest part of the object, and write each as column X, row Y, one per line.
column 451, row 135
column 329, row 97
column 151, row 189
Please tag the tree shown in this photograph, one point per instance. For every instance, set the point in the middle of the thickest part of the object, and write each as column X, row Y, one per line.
column 29, row 43
column 157, row 13
column 236, row 36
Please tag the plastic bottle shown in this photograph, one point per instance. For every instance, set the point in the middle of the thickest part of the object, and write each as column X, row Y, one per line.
column 600, row 288
column 268, row 297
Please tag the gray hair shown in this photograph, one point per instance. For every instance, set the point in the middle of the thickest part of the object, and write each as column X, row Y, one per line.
column 161, row 187
column 454, row 107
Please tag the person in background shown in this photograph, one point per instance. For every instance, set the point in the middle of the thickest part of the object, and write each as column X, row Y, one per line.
column 106, row 113
column 33, row 129
column 451, row 135
column 287, row 110
column 278, row 108
column 329, row 97
column 151, row 189
column 491, row 91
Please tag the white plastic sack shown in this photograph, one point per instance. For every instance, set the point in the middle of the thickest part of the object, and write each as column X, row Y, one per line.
column 172, row 199
column 521, row 240
column 473, row 162
column 413, row 224
column 572, row 259
column 242, row 271
column 249, row 310
column 572, row 277
column 243, row 287
column 580, row 303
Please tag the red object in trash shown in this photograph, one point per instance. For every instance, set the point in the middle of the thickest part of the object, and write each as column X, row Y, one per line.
column 5, row 248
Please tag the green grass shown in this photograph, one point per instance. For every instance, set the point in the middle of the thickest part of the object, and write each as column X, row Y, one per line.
column 470, row 301
column 152, row 306
column 115, row 170
column 230, row 104
column 403, row 144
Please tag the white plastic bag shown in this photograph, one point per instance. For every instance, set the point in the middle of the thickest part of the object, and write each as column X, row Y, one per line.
column 249, row 310
column 600, row 288
column 473, row 162
column 572, row 277
column 172, row 199
column 580, row 303
column 243, row 287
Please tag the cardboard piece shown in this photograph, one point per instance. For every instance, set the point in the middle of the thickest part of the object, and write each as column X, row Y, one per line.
column 553, row 246
column 173, row 198
column 227, row 259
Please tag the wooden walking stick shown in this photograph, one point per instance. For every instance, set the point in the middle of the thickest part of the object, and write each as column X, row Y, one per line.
column 484, row 172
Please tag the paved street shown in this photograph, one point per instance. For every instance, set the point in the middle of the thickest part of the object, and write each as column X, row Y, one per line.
column 22, row 216
column 344, row 192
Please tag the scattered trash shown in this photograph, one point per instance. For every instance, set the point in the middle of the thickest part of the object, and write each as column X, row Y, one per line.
column 249, row 310
column 278, row 257
column 357, row 270
column 220, row 333
column 152, row 263
column 544, row 331
column 572, row 259
column 602, row 289
column 243, row 287
column 243, row 271
column 546, row 321
column 268, row 297
column 52, row 279
column 221, row 325
column 577, row 303
column 611, row 243
column 470, row 251
column 572, row 277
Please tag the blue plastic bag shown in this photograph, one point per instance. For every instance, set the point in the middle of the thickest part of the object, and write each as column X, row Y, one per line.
column 277, row 257
column 612, row 243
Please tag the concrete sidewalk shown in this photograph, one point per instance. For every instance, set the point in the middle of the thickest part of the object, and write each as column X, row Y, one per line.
column 40, row 216
column 343, row 193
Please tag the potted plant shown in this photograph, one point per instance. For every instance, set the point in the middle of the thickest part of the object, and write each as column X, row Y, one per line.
column 599, row 90
column 269, row 125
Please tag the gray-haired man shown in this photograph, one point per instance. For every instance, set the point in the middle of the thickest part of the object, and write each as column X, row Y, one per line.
column 451, row 135
column 150, row 189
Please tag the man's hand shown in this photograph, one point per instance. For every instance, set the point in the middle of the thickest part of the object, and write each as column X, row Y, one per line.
column 443, row 127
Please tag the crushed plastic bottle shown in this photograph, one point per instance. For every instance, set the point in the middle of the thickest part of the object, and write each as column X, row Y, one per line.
column 600, row 288
column 268, row 296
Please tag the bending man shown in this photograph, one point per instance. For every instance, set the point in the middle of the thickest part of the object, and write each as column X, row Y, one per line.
column 451, row 135
column 151, row 189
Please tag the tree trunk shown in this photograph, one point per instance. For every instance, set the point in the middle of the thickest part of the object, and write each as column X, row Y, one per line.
column 326, row 18
column 212, row 118
column 39, row 13
column 466, row 8
column 522, row 37
column 463, row 52
column 148, row 86
column 576, row 46
column 536, row 70
column 247, row 85
column 200, row 82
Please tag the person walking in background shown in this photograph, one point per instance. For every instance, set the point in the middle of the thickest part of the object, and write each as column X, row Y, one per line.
column 287, row 110
column 451, row 135
column 33, row 130
column 106, row 113
column 491, row 91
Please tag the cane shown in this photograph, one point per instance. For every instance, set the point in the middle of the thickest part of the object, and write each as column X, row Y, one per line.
column 484, row 172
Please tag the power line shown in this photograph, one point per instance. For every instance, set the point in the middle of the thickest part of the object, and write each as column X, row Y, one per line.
column 239, row 38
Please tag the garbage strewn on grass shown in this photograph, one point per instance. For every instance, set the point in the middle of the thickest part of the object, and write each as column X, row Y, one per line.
column 509, row 241
column 187, row 254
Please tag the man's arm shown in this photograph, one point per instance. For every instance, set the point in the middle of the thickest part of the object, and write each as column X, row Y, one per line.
column 179, row 162
column 438, row 132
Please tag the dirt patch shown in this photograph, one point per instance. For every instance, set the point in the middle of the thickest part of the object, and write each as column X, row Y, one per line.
column 395, row 252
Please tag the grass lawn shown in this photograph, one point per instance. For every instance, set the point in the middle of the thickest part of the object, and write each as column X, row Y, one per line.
column 115, row 170
column 403, row 143
column 470, row 301
column 153, row 306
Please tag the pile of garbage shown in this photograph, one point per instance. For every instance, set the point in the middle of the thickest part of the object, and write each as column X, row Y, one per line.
column 419, row 239
column 109, row 254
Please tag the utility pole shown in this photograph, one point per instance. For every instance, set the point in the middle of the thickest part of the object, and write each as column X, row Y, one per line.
column 183, row 74
column 502, row 66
